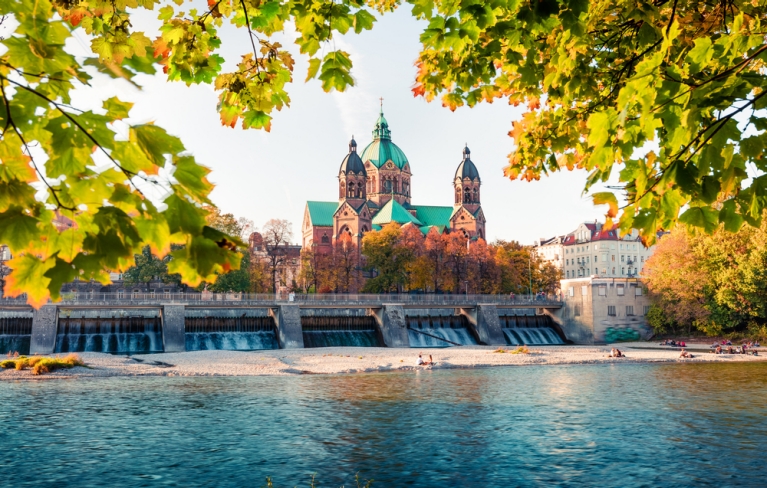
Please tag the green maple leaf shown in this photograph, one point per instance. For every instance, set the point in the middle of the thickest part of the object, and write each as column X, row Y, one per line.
column 117, row 109
column 155, row 142
column 28, row 276
column 18, row 229
column 193, row 177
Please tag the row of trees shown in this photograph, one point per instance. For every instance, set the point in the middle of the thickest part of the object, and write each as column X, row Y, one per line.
column 402, row 259
column 259, row 270
column 712, row 283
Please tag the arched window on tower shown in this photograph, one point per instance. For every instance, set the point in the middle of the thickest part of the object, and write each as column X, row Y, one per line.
column 476, row 196
column 405, row 188
column 325, row 239
column 342, row 190
column 466, row 195
column 457, row 195
column 387, row 186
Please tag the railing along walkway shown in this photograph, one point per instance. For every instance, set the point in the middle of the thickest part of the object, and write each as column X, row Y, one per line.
column 268, row 299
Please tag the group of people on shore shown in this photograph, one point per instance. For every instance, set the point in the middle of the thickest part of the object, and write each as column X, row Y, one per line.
column 616, row 353
column 673, row 343
column 421, row 362
column 746, row 348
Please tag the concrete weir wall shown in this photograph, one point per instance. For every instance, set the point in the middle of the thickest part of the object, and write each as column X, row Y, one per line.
column 393, row 324
column 44, row 330
column 173, row 328
column 487, row 327
column 289, row 332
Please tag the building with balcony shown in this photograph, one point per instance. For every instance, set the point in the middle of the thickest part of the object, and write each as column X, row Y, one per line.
column 592, row 250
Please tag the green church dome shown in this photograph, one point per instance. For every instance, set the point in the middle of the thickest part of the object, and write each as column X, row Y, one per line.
column 382, row 149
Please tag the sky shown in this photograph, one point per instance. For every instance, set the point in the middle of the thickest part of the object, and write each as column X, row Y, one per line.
column 263, row 175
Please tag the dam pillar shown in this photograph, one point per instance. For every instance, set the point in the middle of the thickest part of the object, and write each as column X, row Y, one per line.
column 290, row 335
column 44, row 330
column 486, row 324
column 173, row 328
column 391, row 319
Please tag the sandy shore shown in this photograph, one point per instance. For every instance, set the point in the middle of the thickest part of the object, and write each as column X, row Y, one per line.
column 358, row 360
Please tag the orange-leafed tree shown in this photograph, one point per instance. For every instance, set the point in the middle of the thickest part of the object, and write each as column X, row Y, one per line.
column 345, row 266
column 457, row 251
column 483, row 272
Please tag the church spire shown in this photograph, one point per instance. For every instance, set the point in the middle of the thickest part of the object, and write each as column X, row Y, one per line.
column 381, row 130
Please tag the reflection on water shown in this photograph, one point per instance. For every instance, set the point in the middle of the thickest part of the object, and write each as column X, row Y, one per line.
column 627, row 425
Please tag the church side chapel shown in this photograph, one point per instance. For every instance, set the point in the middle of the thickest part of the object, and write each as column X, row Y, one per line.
column 374, row 189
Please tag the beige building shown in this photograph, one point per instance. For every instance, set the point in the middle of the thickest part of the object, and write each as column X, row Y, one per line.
column 552, row 250
column 599, row 310
column 591, row 250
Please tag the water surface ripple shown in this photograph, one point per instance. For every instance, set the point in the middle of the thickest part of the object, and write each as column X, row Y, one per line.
column 622, row 425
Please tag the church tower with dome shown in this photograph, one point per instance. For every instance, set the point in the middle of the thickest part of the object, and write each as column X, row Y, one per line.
column 374, row 189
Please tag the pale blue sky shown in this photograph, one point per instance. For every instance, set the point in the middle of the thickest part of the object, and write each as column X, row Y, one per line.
column 260, row 175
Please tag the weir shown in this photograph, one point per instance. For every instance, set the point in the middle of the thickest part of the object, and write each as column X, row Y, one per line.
column 527, row 329
column 232, row 330
column 439, row 331
column 339, row 331
column 138, row 323
column 351, row 327
column 15, row 331
column 113, row 331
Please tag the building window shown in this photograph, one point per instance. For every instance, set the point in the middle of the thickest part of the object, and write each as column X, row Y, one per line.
column 602, row 291
column 604, row 271
column 604, row 258
column 629, row 310
column 623, row 258
column 623, row 271
column 611, row 310
column 620, row 289
column 613, row 258
column 577, row 311
column 568, row 274
column 325, row 239
column 638, row 291
column 584, row 291
column 646, row 309
column 572, row 291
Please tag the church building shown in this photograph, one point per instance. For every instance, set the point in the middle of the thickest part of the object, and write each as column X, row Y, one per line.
column 375, row 188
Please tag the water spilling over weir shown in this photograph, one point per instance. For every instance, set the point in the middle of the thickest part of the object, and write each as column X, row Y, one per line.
column 15, row 331
column 232, row 330
column 529, row 330
column 112, row 331
column 439, row 331
column 332, row 331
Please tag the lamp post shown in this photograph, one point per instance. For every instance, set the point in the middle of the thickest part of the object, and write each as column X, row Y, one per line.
column 466, row 282
column 530, row 273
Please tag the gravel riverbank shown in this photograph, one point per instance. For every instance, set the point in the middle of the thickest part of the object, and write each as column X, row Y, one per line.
column 334, row 360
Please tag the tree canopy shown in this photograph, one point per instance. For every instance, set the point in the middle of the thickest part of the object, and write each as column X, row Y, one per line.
column 714, row 283
column 666, row 94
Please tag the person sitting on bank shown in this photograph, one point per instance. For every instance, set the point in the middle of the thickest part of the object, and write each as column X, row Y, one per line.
column 619, row 354
column 685, row 354
column 420, row 361
column 718, row 350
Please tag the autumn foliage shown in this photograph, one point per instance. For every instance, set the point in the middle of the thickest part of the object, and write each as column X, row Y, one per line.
column 713, row 283
column 401, row 259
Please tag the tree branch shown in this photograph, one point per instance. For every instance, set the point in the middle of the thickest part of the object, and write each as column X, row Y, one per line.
column 128, row 174
column 26, row 146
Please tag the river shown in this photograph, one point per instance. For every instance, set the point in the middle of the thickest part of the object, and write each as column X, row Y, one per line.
column 608, row 425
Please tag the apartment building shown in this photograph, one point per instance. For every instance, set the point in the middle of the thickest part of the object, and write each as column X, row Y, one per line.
column 592, row 250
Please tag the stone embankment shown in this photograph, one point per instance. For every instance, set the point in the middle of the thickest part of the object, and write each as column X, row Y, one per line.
column 336, row 360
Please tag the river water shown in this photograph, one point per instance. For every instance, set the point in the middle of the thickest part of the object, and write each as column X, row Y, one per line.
column 608, row 425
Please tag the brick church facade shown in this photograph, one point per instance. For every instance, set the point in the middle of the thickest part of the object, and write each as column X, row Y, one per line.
column 374, row 189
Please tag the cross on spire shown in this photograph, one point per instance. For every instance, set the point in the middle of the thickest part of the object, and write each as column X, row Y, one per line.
column 381, row 99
